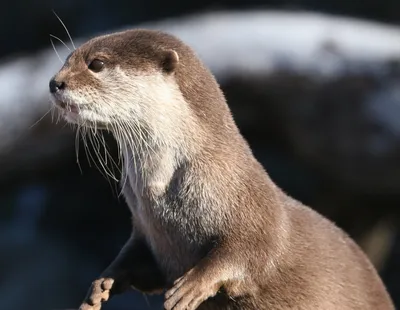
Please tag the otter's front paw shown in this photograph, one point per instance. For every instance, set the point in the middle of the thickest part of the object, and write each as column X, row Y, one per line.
column 189, row 292
column 98, row 293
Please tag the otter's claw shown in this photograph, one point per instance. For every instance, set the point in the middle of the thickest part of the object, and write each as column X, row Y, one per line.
column 99, row 292
column 188, row 293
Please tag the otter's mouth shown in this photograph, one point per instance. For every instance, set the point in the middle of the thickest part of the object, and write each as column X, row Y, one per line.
column 68, row 110
column 64, row 105
column 67, row 107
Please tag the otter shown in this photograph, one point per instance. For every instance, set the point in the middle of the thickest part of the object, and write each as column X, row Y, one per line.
column 210, row 228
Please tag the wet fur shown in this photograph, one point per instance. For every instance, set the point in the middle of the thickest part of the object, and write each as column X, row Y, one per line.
column 202, row 205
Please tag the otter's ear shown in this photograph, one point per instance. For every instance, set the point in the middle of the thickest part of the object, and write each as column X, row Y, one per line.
column 170, row 60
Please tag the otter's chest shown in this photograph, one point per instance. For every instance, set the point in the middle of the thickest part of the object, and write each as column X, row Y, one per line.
column 176, row 239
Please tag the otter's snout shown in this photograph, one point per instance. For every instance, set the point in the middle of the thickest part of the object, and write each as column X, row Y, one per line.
column 55, row 86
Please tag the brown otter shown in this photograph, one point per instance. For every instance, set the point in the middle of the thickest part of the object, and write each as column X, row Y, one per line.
column 209, row 225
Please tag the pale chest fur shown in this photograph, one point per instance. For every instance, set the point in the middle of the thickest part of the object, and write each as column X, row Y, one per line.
column 171, row 226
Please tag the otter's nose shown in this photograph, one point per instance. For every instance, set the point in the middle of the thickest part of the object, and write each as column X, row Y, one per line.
column 56, row 86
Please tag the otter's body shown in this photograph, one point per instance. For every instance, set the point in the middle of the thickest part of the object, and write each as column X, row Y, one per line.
column 209, row 225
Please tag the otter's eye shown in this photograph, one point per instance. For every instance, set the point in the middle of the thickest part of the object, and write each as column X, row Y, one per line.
column 96, row 65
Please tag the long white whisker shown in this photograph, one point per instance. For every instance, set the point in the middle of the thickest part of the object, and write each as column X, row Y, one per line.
column 96, row 147
column 66, row 30
column 77, row 148
column 41, row 118
column 107, row 156
column 123, row 143
column 62, row 42
column 52, row 44
column 85, row 144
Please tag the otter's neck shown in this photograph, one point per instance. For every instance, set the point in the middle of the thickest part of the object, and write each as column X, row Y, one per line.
column 150, row 172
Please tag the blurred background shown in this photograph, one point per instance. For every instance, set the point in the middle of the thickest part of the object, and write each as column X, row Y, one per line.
column 314, row 87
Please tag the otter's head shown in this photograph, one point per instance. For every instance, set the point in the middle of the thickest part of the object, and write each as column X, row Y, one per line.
column 126, row 79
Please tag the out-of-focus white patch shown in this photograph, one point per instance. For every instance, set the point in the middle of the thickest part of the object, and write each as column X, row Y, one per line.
column 248, row 43
column 256, row 41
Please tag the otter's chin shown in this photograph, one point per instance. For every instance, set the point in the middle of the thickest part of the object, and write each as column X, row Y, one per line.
column 71, row 117
column 70, row 112
column 85, row 119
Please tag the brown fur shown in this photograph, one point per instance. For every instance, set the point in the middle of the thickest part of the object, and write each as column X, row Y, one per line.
column 209, row 225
